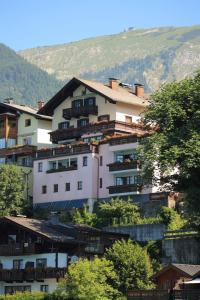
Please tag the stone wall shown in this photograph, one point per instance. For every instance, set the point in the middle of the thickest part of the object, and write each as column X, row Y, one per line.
column 141, row 233
column 185, row 250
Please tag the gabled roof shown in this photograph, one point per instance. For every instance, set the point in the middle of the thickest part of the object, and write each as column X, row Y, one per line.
column 185, row 269
column 13, row 107
column 119, row 94
column 40, row 227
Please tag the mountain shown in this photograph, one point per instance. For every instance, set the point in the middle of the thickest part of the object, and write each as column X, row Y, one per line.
column 22, row 81
column 151, row 56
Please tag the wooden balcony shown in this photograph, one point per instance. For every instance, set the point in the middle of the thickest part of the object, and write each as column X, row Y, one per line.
column 76, row 112
column 106, row 127
column 18, row 249
column 18, row 150
column 126, row 188
column 63, row 169
column 65, row 150
column 31, row 274
column 120, row 166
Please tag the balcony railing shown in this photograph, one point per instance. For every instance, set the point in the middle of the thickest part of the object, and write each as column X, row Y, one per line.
column 31, row 274
column 63, row 169
column 76, row 112
column 18, row 150
column 105, row 127
column 65, row 150
column 127, row 165
column 17, row 249
column 94, row 248
column 126, row 188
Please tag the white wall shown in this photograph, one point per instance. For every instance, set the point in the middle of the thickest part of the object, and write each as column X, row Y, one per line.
column 35, row 286
column 7, row 261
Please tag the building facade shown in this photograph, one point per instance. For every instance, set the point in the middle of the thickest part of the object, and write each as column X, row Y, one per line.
column 34, row 254
column 97, row 129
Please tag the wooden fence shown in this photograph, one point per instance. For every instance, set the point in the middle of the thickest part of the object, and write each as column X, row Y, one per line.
column 186, row 294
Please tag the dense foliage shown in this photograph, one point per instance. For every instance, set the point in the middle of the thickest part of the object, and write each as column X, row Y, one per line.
column 174, row 149
column 132, row 264
column 23, row 81
column 117, row 211
column 89, row 280
column 11, row 190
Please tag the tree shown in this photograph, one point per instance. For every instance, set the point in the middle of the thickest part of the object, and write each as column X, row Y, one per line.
column 132, row 264
column 83, row 216
column 89, row 280
column 11, row 190
column 174, row 148
column 171, row 218
column 118, row 211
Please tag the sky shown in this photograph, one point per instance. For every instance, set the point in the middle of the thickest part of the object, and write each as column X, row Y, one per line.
column 32, row 23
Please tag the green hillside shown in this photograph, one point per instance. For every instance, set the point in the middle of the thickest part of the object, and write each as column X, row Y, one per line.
column 152, row 56
column 22, row 81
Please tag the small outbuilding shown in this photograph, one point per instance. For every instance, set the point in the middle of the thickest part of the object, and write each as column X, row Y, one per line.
column 176, row 276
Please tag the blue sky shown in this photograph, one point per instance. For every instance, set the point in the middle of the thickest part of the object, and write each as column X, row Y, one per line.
column 32, row 23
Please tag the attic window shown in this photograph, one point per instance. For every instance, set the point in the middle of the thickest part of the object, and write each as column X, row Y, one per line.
column 27, row 122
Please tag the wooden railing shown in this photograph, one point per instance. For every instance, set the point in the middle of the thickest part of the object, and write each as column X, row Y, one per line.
column 104, row 126
column 65, row 150
column 76, row 112
column 31, row 274
column 18, row 249
column 186, row 294
column 119, row 166
column 127, row 188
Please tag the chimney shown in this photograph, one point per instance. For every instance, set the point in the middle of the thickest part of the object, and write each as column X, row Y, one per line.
column 8, row 100
column 139, row 90
column 40, row 104
column 113, row 83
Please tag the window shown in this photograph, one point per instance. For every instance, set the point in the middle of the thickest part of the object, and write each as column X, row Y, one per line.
column 90, row 101
column 12, row 123
column 41, row 263
column 2, row 124
column 63, row 125
column 128, row 119
column 44, row 288
column 77, row 103
column 80, row 185
column 55, row 188
column 2, row 143
column 11, row 142
column 12, row 238
column 27, row 140
column 85, row 161
column 18, row 264
column 82, row 122
column 101, row 161
column 100, row 183
column 40, row 165
column 67, row 186
column 27, row 122
column 104, row 118
column 17, row 288
column 44, row 189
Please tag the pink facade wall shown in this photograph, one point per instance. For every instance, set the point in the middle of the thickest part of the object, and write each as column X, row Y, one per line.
column 85, row 174
column 89, row 175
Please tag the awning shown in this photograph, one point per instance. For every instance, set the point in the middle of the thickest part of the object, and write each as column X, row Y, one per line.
column 193, row 281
